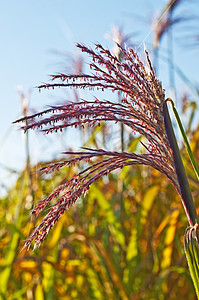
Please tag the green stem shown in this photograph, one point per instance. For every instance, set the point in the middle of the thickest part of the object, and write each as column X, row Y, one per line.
column 186, row 196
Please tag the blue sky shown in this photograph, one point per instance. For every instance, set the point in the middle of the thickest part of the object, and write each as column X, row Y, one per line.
column 32, row 31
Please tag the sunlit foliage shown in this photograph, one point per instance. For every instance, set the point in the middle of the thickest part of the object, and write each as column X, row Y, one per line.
column 124, row 240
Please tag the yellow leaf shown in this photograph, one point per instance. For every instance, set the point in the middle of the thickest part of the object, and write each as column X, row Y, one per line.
column 56, row 233
column 39, row 292
column 28, row 264
column 147, row 202
column 169, row 238
column 132, row 249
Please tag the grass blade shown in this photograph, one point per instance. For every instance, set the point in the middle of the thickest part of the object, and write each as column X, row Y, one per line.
column 185, row 191
column 192, row 254
column 195, row 167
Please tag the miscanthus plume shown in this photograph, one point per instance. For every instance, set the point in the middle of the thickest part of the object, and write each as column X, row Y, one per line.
column 140, row 109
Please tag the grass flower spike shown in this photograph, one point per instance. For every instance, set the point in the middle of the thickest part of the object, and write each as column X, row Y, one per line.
column 141, row 109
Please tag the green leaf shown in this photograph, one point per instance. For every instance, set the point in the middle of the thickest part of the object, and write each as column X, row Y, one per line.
column 185, row 191
column 186, row 142
column 147, row 202
column 115, row 226
column 192, row 254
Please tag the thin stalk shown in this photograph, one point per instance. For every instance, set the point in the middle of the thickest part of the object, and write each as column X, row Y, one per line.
column 120, row 181
column 186, row 196
column 24, row 104
column 156, row 59
column 170, row 50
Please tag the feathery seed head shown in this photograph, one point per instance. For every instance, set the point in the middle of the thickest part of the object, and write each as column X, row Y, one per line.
column 140, row 110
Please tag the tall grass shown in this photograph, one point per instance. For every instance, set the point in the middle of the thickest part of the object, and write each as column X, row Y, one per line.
column 143, row 109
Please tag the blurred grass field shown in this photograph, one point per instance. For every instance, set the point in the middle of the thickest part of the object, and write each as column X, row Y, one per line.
column 124, row 240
